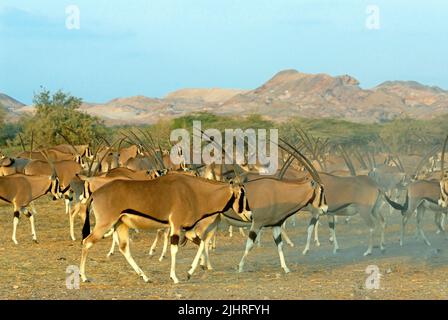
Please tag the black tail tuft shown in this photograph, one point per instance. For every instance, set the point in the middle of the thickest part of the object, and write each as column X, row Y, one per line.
column 403, row 208
column 86, row 227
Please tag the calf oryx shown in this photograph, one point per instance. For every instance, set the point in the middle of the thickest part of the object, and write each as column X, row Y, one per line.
column 175, row 200
column 20, row 190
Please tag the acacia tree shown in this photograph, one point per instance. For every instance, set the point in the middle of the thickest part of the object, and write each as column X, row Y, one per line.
column 59, row 113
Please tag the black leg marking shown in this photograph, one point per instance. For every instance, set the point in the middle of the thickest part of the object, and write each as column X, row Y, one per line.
column 196, row 240
column 278, row 240
column 175, row 239
column 313, row 221
column 331, row 225
column 16, row 214
column 252, row 235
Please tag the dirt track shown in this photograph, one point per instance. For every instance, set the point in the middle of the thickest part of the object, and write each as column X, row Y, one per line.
column 38, row 271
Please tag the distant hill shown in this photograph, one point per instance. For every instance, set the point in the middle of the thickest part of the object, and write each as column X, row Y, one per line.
column 12, row 107
column 289, row 93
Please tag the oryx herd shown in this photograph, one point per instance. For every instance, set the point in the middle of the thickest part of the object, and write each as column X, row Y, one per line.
column 114, row 188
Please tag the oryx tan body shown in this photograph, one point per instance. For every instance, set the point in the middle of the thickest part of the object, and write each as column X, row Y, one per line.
column 175, row 200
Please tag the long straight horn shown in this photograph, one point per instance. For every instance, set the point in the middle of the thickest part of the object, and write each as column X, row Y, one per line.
column 442, row 160
column 90, row 165
column 285, row 167
column 32, row 141
column 105, row 154
column 68, row 141
column 288, row 163
column 347, row 160
column 234, row 167
column 21, row 142
column 302, row 159
column 424, row 159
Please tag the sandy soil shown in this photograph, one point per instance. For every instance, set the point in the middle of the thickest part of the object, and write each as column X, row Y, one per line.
column 38, row 271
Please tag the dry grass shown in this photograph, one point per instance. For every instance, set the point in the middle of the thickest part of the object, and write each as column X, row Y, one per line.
column 38, row 271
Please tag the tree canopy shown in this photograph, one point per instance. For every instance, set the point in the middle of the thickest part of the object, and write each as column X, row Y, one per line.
column 58, row 114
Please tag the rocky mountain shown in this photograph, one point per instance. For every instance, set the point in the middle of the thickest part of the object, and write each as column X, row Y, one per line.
column 289, row 93
column 12, row 107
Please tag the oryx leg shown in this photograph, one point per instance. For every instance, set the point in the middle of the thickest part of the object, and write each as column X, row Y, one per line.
column 242, row 232
column 68, row 204
column 277, row 234
column 210, row 235
column 420, row 214
column 31, row 215
column 438, row 218
column 368, row 217
column 332, row 226
column 230, row 231
column 285, row 235
column 72, row 215
column 254, row 231
column 154, row 243
column 15, row 222
column 311, row 227
column 87, row 243
column 258, row 240
column 316, row 234
column 115, row 241
column 196, row 258
column 123, row 237
column 165, row 236
column 404, row 220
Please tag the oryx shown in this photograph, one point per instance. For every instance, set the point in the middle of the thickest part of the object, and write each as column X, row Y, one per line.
column 420, row 195
column 9, row 166
column 175, row 200
column 20, row 190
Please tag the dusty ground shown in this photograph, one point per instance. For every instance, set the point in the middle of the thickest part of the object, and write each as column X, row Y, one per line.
column 38, row 271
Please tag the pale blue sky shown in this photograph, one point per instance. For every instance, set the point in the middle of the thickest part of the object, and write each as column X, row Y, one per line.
column 152, row 47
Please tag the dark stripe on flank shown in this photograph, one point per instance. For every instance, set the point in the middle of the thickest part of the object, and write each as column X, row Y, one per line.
column 431, row 200
column 143, row 215
column 5, row 199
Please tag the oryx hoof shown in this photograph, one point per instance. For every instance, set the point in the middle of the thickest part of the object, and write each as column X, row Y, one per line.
column 304, row 252
column 367, row 253
column 383, row 250
column 188, row 276
column 287, row 270
column 203, row 267
column 161, row 258
column 146, row 279
column 240, row 269
column 35, row 241
column 428, row 243
column 317, row 244
column 86, row 280
column 110, row 254
column 15, row 242
column 175, row 280
column 291, row 244
column 335, row 251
